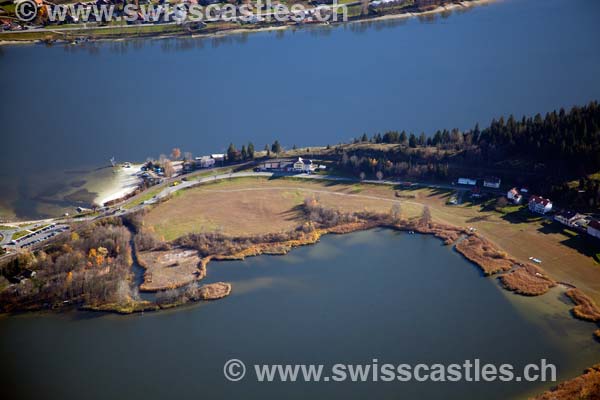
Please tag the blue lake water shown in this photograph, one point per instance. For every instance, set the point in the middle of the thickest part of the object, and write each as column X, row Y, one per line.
column 70, row 108
column 379, row 294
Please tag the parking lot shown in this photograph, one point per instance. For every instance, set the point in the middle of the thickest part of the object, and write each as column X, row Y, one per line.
column 32, row 239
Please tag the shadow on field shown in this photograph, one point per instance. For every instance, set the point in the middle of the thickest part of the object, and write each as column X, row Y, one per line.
column 581, row 242
column 295, row 213
column 522, row 216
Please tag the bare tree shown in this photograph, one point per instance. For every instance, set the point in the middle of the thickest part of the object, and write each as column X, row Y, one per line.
column 364, row 7
column 426, row 216
column 187, row 156
column 169, row 170
column 161, row 159
column 123, row 292
column 396, row 212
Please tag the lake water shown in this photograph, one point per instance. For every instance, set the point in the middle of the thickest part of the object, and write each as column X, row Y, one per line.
column 379, row 294
column 68, row 109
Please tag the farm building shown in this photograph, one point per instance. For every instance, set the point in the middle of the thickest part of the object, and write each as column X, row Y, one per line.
column 514, row 196
column 205, row 162
column 492, row 182
column 276, row 165
column 568, row 218
column 467, row 181
column 304, row 165
column 540, row 205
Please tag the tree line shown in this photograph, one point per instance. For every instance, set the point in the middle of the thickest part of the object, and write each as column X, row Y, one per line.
column 569, row 139
column 544, row 152
column 247, row 153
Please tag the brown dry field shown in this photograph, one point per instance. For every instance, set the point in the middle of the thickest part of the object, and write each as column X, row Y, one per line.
column 169, row 269
column 258, row 205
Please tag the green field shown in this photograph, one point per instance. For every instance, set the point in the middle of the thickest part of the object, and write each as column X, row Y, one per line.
column 20, row 234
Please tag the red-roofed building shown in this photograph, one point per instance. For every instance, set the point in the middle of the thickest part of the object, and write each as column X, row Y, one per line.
column 540, row 205
column 593, row 229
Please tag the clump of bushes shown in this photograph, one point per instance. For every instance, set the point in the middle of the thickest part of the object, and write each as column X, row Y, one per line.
column 217, row 243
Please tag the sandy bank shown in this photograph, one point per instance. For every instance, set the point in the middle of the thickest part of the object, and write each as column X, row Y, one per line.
column 124, row 182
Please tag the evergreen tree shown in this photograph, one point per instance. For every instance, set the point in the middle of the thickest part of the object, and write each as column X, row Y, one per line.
column 251, row 151
column 403, row 138
column 276, row 147
column 412, row 140
column 231, row 153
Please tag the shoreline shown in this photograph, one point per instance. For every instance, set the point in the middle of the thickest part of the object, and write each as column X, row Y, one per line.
column 124, row 182
column 463, row 5
column 521, row 278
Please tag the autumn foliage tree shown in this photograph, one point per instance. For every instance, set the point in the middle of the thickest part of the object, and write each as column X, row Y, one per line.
column 176, row 153
column 90, row 267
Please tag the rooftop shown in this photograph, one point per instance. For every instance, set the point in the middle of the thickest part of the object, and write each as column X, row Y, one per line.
column 540, row 200
column 568, row 214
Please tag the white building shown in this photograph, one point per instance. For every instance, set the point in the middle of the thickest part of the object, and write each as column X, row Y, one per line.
column 540, row 205
column 276, row 165
column 492, row 182
column 303, row 165
column 467, row 181
column 568, row 218
column 514, row 196
column 205, row 161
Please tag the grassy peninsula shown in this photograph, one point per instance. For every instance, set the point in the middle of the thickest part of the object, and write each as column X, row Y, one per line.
column 400, row 181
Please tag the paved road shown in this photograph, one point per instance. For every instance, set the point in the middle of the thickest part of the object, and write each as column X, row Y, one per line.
column 7, row 235
column 169, row 190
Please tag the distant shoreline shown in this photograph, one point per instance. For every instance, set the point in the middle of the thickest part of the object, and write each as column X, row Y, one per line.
column 227, row 32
